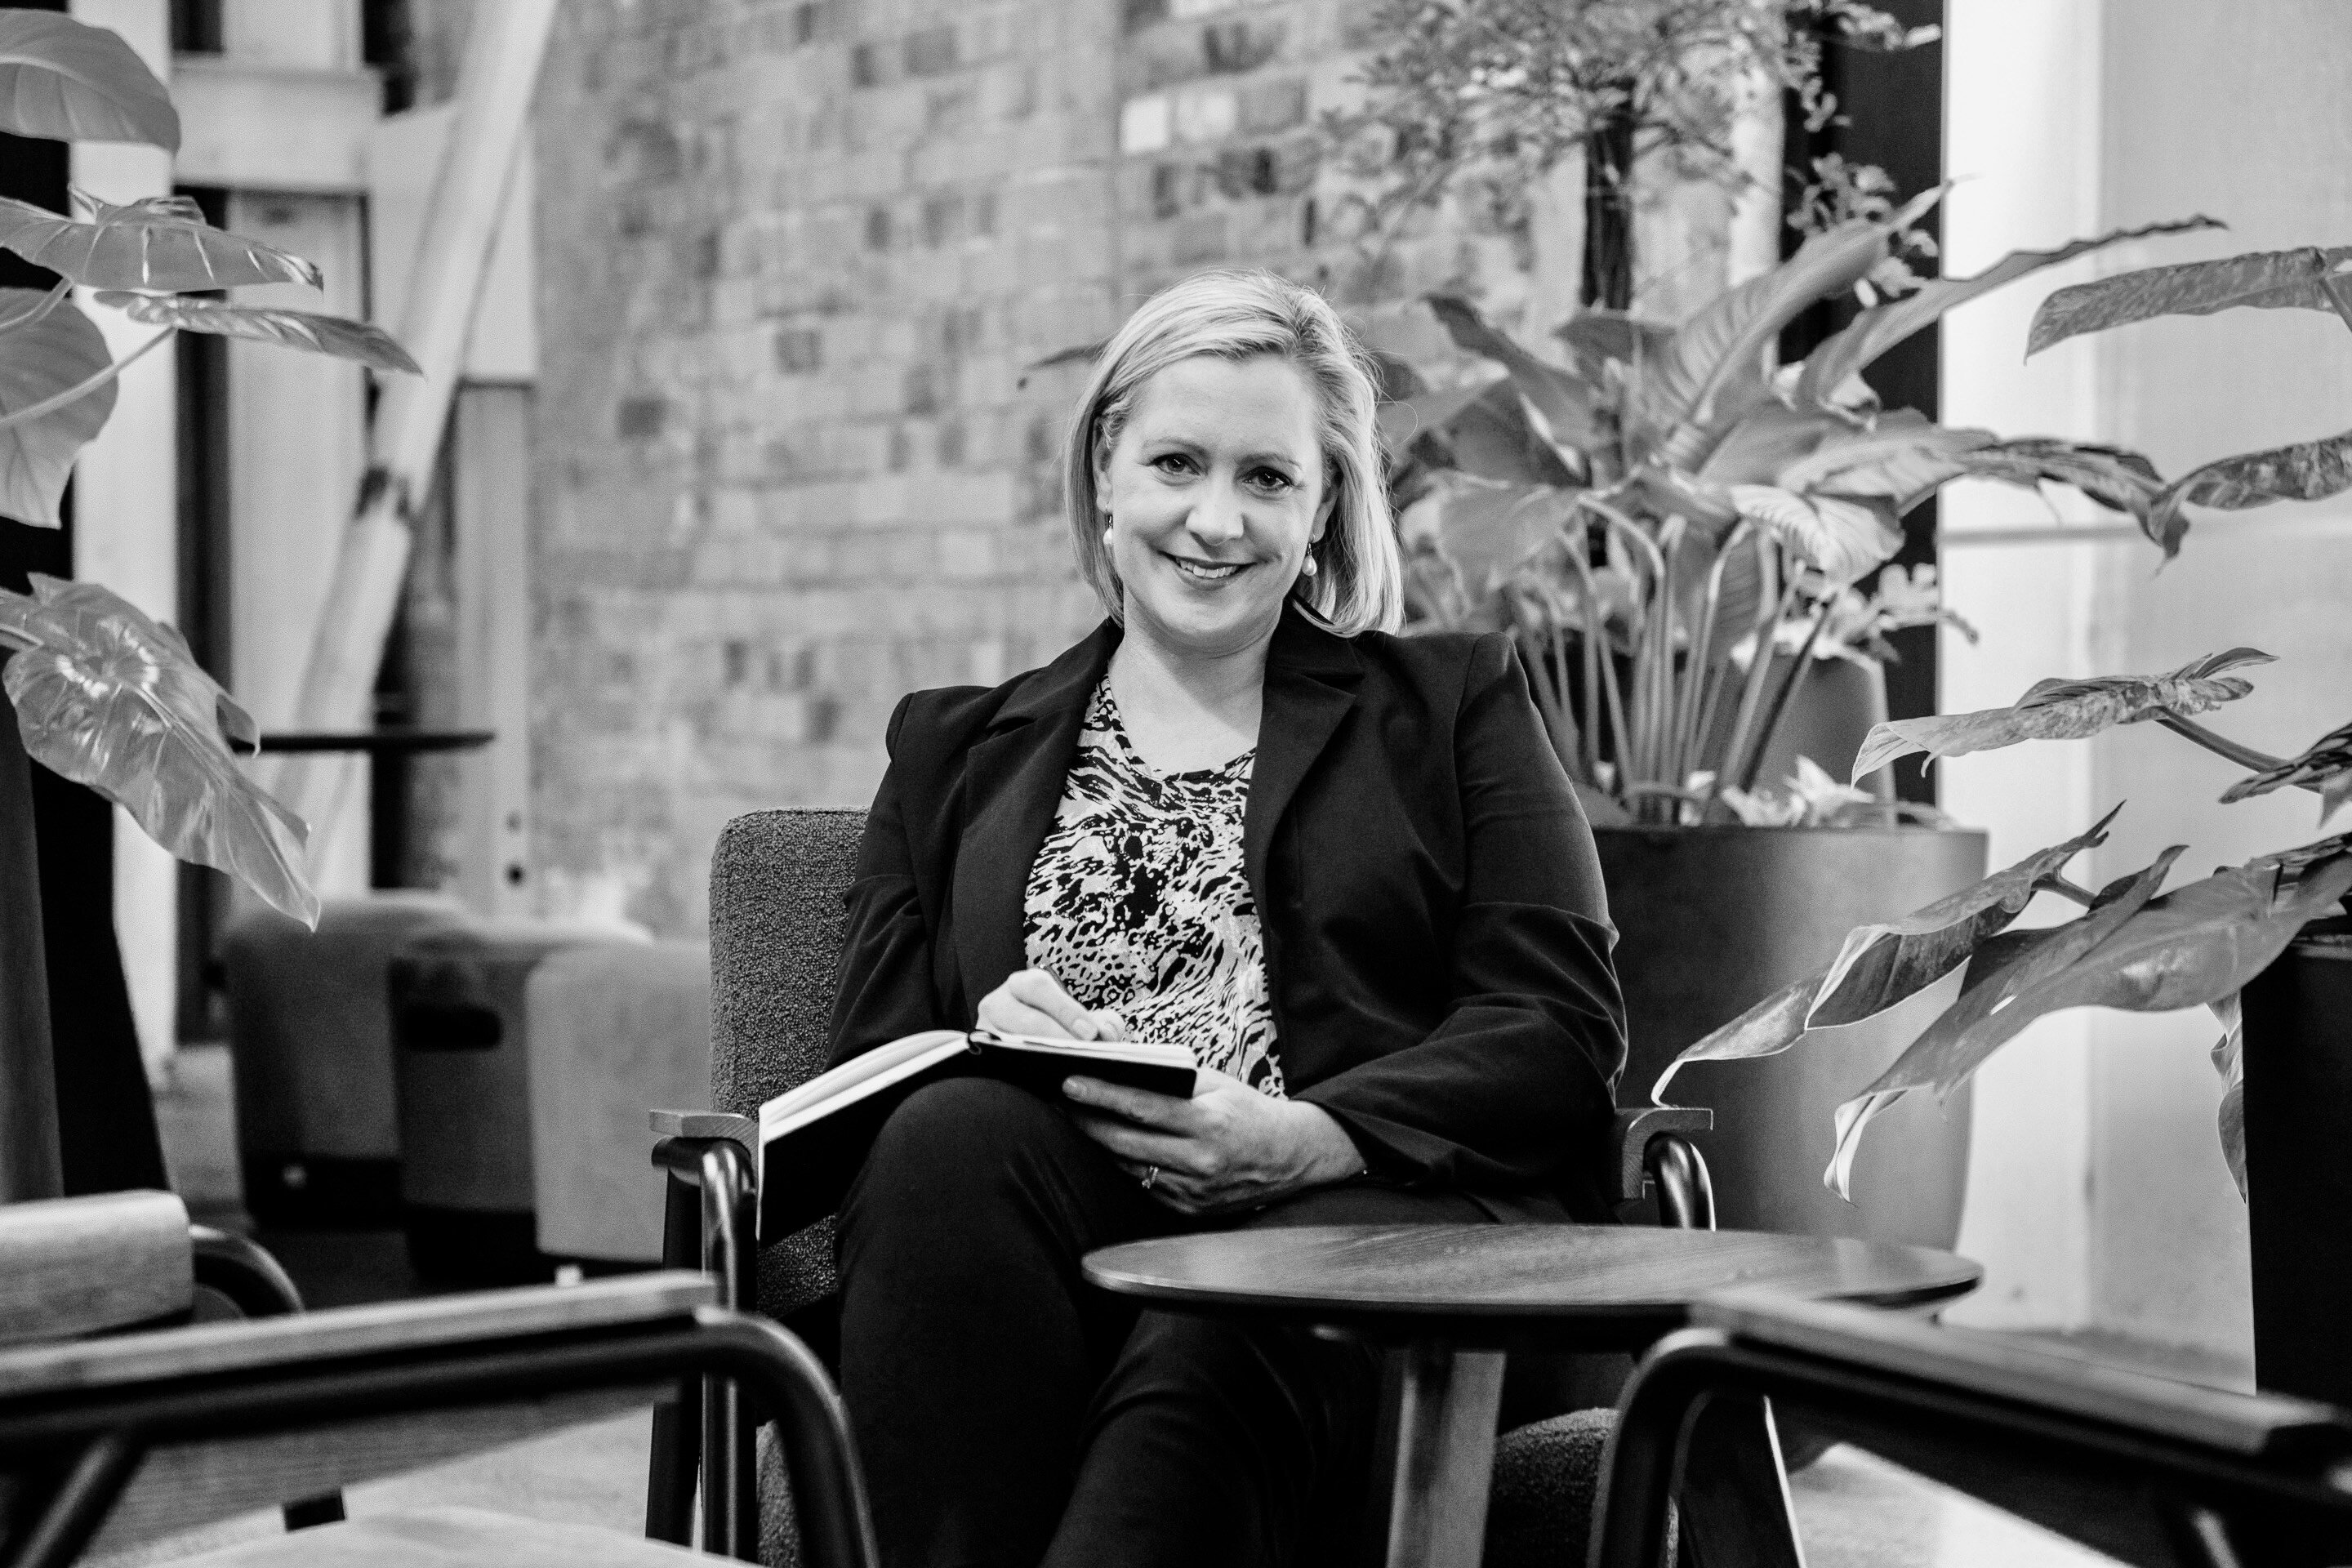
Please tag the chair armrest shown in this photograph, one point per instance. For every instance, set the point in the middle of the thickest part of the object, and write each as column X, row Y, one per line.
column 743, row 1130
column 88, row 1265
column 1630, row 1141
column 112, row 1400
column 2030, row 1376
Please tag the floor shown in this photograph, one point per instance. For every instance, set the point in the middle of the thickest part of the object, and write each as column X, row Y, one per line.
column 1854, row 1510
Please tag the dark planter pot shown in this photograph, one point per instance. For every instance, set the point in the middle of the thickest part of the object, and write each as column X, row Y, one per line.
column 1712, row 919
column 2298, row 1103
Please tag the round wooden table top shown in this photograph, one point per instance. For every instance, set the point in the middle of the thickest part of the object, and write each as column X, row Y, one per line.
column 1595, row 1285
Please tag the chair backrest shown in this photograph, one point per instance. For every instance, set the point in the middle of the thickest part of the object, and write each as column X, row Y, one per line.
column 777, row 923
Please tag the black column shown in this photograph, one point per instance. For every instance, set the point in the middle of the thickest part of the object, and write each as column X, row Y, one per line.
column 106, row 1118
column 1890, row 113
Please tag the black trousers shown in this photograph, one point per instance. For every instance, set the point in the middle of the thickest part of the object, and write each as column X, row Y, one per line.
column 1007, row 1413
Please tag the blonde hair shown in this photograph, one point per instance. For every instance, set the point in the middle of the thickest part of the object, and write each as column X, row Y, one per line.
column 1358, row 585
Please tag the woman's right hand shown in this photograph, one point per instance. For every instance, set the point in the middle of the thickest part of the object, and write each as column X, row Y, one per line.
column 1032, row 1002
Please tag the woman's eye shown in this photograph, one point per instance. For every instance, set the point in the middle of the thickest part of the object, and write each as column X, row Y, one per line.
column 1172, row 463
column 1270, row 479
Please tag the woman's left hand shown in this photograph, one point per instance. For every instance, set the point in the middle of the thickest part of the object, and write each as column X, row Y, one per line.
column 1228, row 1147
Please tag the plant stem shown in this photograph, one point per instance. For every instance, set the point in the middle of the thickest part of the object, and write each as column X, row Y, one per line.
column 2066, row 890
column 1752, row 695
column 49, row 302
column 2221, row 745
column 1764, row 738
column 73, row 394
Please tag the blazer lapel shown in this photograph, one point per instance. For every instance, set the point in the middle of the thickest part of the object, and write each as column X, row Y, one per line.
column 1310, row 684
column 1012, row 781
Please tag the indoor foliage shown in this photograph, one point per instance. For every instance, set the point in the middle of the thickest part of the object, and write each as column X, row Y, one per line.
column 103, row 695
column 1655, row 515
column 2135, row 946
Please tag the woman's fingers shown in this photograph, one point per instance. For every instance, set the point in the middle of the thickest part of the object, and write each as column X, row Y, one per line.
column 1162, row 1110
column 1032, row 1002
column 1140, row 1146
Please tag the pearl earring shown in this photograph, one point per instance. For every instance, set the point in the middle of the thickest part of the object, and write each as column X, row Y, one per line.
column 1308, row 567
column 1105, row 539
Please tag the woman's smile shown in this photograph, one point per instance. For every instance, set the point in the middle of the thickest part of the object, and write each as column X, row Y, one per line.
column 1208, row 574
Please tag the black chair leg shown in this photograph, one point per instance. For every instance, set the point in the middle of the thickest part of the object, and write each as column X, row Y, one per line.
column 676, row 1450
column 1734, row 1500
column 253, row 1282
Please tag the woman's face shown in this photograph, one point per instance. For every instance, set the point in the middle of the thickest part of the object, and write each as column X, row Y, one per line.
column 1216, row 488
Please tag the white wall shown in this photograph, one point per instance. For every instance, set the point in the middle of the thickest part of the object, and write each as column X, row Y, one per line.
column 126, row 524
column 2099, row 1197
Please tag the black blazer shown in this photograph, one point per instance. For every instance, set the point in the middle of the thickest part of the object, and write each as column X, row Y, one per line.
column 1436, row 936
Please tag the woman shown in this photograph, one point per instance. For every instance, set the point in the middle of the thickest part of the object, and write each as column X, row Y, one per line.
column 1344, row 868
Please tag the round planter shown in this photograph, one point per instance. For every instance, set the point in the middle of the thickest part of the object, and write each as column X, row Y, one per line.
column 1712, row 919
column 2298, row 1101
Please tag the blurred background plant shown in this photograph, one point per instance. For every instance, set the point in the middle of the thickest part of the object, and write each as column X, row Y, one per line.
column 1483, row 98
column 103, row 694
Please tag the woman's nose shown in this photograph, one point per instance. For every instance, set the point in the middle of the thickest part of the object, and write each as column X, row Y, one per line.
column 1217, row 517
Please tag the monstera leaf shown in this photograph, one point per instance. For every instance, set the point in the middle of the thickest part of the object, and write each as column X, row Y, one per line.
column 69, row 81
column 2272, row 281
column 108, row 698
column 2189, row 948
column 2325, row 765
column 1872, row 334
column 163, row 242
column 1842, row 539
column 2310, row 470
column 2063, row 711
column 1881, row 965
column 52, row 349
column 289, row 329
column 1486, row 528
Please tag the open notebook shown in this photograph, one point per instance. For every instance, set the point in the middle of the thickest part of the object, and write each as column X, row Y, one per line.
column 813, row 1138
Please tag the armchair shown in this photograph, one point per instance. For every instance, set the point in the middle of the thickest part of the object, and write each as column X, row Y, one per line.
column 2152, row 1472
column 777, row 925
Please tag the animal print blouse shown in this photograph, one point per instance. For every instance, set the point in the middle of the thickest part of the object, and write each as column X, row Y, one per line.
column 1137, row 902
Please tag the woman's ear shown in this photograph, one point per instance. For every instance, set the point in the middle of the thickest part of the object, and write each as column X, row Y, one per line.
column 1101, row 465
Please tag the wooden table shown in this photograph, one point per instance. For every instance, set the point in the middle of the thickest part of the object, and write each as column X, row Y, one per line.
column 1452, row 1299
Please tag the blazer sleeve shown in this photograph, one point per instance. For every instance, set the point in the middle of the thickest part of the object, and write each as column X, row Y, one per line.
column 885, row 989
column 1520, row 1073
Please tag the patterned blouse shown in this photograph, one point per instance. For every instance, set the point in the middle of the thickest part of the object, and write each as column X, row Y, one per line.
column 1137, row 902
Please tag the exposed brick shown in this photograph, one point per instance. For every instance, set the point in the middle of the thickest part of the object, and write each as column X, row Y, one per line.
column 930, row 51
column 798, row 349
column 1235, row 47
column 1273, row 106
column 641, row 417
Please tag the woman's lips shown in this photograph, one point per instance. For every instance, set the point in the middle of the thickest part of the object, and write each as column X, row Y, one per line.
column 1207, row 572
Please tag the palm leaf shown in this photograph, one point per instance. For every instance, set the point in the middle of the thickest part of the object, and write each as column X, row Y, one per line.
column 1901, row 459
column 108, row 698
column 1880, row 328
column 289, row 329
column 2310, row 470
column 2269, row 280
column 72, row 82
column 41, row 358
column 162, row 242
column 1842, row 539
column 1564, row 401
column 2062, row 711
column 1722, row 346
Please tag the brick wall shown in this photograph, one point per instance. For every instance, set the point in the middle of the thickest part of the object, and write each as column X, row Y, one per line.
column 794, row 258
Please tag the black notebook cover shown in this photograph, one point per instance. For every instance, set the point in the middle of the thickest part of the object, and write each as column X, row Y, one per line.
column 804, row 1174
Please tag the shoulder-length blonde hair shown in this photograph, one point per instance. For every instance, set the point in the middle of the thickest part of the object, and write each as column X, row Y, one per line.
column 1358, row 584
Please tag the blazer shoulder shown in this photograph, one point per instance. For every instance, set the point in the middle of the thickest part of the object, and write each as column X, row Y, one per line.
column 1439, row 666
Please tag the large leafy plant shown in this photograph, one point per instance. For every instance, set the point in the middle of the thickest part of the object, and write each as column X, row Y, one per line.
column 103, row 694
column 1675, row 529
column 2135, row 946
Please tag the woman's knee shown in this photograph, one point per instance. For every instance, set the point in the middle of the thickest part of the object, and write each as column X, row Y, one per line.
column 960, row 1157
column 961, row 1127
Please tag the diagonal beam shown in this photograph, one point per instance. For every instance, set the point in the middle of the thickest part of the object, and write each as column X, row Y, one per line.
column 495, row 85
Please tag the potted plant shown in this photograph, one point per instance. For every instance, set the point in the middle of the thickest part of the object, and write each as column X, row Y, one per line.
column 2264, row 944
column 102, row 693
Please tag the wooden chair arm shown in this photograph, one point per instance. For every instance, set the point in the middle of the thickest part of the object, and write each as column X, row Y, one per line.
column 743, row 1130
column 71, row 1267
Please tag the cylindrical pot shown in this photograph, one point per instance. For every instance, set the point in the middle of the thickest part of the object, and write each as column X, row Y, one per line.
column 2298, row 1102
column 1712, row 919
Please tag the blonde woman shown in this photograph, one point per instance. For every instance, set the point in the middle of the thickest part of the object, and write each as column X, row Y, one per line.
column 1244, row 817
